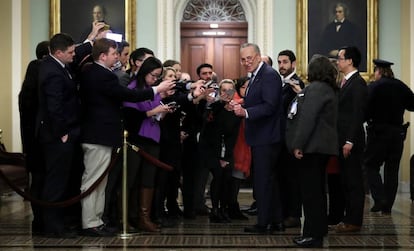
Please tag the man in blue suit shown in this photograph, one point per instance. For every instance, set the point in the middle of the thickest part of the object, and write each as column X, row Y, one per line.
column 263, row 112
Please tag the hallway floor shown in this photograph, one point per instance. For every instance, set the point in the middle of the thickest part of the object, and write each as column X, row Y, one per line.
column 380, row 232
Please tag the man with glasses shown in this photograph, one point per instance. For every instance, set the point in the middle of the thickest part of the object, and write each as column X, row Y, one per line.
column 351, row 137
column 136, row 59
column 263, row 112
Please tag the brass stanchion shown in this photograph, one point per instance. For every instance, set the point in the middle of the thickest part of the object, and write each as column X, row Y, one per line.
column 125, row 234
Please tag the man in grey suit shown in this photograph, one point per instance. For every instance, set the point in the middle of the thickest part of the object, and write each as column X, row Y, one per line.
column 353, row 96
column 263, row 112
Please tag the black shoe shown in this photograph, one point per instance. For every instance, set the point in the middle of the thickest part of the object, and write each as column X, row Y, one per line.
column 251, row 211
column 215, row 216
column 237, row 215
column 61, row 235
column 100, row 231
column 278, row 227
column 309, row 242
column 257, row 229
column 376, row 208
column 234, row 213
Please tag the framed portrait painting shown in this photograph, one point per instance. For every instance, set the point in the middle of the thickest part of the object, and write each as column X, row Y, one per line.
column 324, row 26
column 75, row 17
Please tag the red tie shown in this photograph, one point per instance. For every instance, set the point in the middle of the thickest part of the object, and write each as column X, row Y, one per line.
column 343, row 82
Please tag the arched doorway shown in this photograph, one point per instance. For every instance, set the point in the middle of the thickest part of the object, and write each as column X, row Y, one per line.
column 212, row 32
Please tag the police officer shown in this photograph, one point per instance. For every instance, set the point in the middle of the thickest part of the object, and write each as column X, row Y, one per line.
column 388, row 99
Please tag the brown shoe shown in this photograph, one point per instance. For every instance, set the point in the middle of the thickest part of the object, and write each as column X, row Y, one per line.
column 347, row 228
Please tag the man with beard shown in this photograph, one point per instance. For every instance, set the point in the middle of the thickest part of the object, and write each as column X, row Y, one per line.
column 289, row 187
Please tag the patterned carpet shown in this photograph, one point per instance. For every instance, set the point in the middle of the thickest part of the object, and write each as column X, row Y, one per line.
column 380, row 232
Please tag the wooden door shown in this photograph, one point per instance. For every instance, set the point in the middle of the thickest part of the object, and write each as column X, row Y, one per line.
column 218, row 47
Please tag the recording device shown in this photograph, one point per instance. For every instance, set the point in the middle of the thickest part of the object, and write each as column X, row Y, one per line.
column 211, row 84
column 292, row 81
column 172, row 105
column 181, row 85
column 106, row 27
column 114, row 36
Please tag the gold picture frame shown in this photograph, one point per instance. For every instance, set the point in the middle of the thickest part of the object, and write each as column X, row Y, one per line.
column 304, row 36
column 129, row 10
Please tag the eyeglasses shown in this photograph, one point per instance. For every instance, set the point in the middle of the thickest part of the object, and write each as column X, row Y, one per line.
column 156, row 76
column 248, row 59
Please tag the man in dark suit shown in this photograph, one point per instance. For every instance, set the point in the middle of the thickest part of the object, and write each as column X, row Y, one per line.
column 102, row 130
column 353, row 96
column 288, row 165
column 28, row 106
column 263, row 112
column 58, row 125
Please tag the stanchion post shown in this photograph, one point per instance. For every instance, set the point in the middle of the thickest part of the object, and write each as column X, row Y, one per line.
column 125, row 233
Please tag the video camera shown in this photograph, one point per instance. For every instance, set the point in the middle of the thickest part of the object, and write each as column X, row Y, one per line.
column 181, row 85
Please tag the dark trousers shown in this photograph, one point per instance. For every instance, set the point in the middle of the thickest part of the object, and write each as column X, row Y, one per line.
column 265, row 184
column 58, row 159
column 312, row 187
column 384, row 146
column 289, row 184
column 189, row 165
column 220, row 187
column 350, row 170
column 336, row 209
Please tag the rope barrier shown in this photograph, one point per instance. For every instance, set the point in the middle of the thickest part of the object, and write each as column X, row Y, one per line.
column 79, row 197
column 68, row 202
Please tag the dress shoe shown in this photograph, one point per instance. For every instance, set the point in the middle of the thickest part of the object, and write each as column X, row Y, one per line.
column 347, row 228
column 291, row 222
column 376, row 208
column 257, row 229
column 100, row 231
column 308, row 242
column 278, row 227
column 252, row 211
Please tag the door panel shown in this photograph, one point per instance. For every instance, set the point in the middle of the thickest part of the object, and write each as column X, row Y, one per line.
column 222, row 51
column 227, row 58
column 195, row 51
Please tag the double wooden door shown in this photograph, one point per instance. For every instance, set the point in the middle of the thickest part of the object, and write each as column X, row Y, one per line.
column 218, row 47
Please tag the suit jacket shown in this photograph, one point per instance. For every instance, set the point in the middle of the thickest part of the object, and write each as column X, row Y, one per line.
column 102, row 96
column 28, row 103
column 313, row 128
column 58, row 112
column 263, row 103
column 353, row 98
